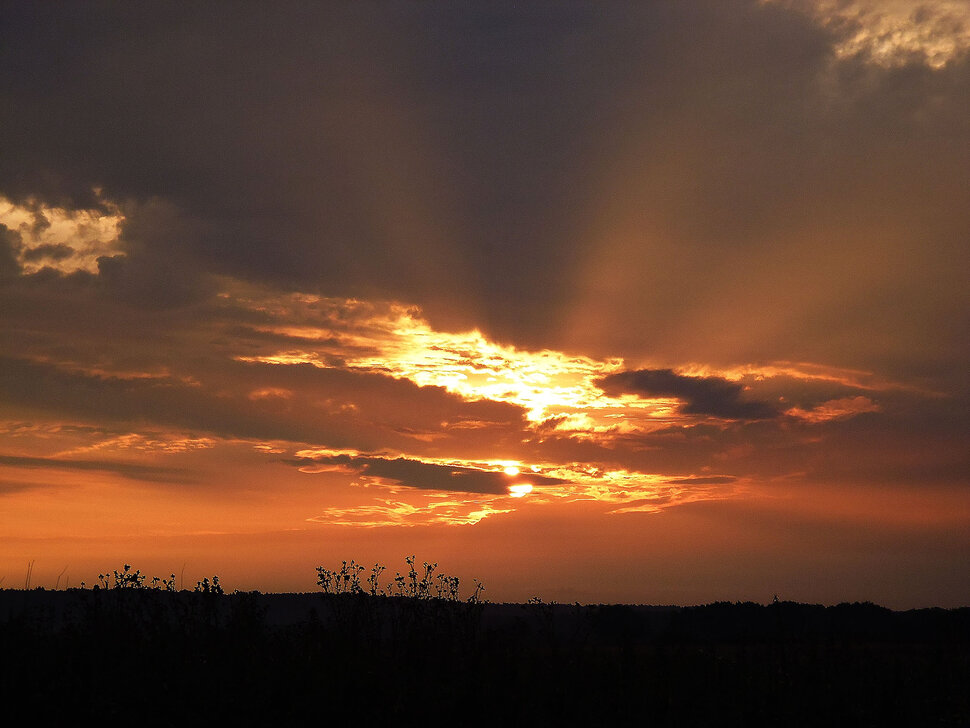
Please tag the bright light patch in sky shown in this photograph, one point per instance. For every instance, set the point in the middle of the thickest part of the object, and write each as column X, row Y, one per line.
column 894, row 32
column 557, row 390
column 548, row 384
column 65, row 240
column 618, row 490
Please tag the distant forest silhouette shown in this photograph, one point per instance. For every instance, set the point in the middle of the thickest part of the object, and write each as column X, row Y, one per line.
column 416, row 650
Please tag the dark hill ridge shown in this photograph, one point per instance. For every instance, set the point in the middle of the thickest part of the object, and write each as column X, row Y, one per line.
column 252, row 658
column 597, row 623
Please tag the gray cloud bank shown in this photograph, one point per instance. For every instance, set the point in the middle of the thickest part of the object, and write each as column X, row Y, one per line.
column 680, row 181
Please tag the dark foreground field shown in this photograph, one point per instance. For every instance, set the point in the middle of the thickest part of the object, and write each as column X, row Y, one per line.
column 167, row 658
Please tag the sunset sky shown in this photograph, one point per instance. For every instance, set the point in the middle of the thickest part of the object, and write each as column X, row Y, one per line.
column 659, row 302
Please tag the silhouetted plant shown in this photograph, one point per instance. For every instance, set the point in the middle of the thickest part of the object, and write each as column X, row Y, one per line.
column 127, row 579
column 372, row 580
column 207, row 587
column 422, row 584
column 476, row 596
column 447, row 587
column 164, row 584
column 345, row 580
column 219, row 656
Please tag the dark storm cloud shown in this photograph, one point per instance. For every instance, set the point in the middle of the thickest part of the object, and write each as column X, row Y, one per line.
column 790, row 391
column 9, row 244
column 700, row 395
column 538, row 171
column 49, row 251
column 419, row 150
column 430, row 476
column 160, row 270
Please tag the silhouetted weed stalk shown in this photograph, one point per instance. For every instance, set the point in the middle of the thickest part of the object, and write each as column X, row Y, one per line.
column 417, row 611
column 128, row 579
column 417, row 583
column 421, row 583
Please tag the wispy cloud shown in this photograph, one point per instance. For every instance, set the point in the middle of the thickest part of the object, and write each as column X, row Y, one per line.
column 132, row 470
column 894, row 32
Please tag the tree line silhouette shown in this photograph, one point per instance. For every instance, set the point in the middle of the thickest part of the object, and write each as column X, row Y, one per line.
column 416, row 648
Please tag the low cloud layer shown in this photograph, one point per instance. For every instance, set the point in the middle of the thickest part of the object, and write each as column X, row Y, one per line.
column 135, row 471
column 428, row 476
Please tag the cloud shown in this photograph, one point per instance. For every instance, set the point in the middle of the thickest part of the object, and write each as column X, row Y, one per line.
column 50, row 251
column 505, row 203
column 10, row 245
column 67, row 240
column 427, row 476
column 336, row 408
column 894, row 32
column 135, row 471
column 704, row 480
column 700, row 395
column 8, row 486
column 614, row 179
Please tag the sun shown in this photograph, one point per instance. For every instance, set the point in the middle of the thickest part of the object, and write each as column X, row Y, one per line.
column 511, row 470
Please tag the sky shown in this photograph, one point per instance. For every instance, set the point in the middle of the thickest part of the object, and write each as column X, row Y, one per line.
column 659, row 302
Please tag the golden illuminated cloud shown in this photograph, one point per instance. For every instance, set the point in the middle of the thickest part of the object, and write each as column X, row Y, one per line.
column 400, row 343
column 892, row 32
column 566, row 398
column 560, row 392
column 63, row 239
column 162, row 442
column 549, row 385
column 619, row 491
column 415, row 491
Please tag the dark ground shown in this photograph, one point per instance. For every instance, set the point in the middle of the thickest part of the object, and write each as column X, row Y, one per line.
column 163, row 658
